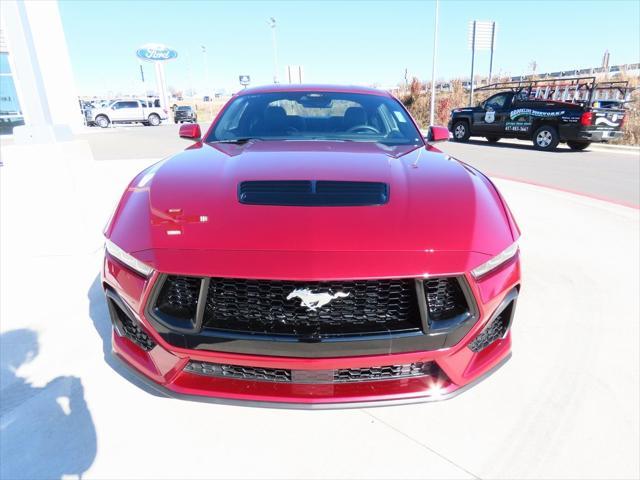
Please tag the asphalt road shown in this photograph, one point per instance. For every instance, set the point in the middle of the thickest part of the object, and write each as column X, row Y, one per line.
column 601, row 172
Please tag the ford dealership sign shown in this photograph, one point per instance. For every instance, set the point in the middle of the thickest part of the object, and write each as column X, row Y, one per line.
column 156, row 52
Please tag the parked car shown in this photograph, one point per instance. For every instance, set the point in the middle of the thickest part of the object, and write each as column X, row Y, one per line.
column 126, row 111
column 312, row 249
column 546, row 112
column 184, row 113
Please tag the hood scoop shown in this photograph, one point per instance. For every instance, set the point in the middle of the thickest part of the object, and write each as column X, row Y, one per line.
column 313, row 193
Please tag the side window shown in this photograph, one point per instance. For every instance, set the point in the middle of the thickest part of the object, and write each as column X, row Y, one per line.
column 117, row 105
column 128, row 104
column 497, row 101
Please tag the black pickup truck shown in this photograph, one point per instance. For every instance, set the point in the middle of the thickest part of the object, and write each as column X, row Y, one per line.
column 577, row 111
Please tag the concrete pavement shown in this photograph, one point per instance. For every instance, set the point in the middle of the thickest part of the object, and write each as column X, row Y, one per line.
column 565, row 405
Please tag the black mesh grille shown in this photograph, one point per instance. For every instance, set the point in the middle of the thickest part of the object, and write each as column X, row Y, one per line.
column 310, row 193
column 133, row 331
column 343, row 375
column 444, row 298
column 383, row 373
column 179, row 297
column 262, row 307
column 492, row 332
column 238, row 371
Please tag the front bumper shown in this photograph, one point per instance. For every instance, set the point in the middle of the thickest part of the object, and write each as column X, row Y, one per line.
column 310, row 382
column 184, row 118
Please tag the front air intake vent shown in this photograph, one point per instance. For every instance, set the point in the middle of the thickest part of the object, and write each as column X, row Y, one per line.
column 342, row 375
column 312, row 193
column 495, row 330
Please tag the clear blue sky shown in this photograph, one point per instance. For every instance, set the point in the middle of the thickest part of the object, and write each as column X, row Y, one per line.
column 357, row 42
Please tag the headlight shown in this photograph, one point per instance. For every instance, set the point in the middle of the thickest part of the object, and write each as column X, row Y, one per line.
column 130, row 261
column 504, row 256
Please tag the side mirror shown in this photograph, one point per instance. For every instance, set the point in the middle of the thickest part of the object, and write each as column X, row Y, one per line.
column 190, row 131
column 437, row 134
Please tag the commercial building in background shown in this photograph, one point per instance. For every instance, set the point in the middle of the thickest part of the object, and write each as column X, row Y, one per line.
column 41, row 72
column 10, row 112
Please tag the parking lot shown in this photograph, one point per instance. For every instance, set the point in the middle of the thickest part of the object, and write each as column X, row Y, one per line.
column 564, row 406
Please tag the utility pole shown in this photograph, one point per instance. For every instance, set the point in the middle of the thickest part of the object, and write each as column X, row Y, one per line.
column 272, row 23
column 473, row 57
column 433, row 67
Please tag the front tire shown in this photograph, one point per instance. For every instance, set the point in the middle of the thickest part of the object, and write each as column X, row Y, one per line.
column 461, row 131
column 102, row 121
column 154, row 120
column 546, row 138
column 493, row 139
column 578, row 145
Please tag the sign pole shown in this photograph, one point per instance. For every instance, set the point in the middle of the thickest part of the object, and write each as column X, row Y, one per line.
column 162, row 86
column 144, row 87
column 493, row 37
column 433, row 68
column 473, row 54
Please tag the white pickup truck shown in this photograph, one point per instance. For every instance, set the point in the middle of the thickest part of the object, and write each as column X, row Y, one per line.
column 126, row 111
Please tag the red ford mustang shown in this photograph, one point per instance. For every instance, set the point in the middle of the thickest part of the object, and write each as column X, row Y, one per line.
column 312, row 249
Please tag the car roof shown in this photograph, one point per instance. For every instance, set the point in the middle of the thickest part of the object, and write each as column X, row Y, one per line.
column 313, row 88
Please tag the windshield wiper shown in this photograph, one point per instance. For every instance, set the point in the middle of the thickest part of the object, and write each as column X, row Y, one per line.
column 237, row 141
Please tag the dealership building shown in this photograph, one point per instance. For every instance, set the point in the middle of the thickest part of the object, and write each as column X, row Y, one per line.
column 38, row 97
column 10, row 112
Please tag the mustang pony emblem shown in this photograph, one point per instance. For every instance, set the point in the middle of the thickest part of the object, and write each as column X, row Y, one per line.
column 314, row 301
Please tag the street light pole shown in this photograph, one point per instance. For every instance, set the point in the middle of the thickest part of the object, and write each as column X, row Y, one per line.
column 206, row 78
column 433, row 67
column 272, row 23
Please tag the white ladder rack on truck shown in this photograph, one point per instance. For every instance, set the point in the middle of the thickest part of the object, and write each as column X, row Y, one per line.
column 582, row 90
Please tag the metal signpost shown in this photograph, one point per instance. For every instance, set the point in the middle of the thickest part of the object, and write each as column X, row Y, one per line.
column 482, row 35
column 158, row 54
column 433, row 68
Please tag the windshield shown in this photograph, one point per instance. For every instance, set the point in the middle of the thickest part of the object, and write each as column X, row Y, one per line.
column 316, row 116
column 184, row 109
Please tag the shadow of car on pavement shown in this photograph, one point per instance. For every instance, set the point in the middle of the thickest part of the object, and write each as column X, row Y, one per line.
column 45, row 432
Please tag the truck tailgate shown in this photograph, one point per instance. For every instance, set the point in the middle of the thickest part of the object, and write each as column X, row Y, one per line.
column 608, row 118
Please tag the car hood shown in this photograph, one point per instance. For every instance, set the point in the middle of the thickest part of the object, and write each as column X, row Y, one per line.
column 190, row 203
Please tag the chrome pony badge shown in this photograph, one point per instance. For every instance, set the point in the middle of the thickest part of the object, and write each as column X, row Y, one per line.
column 314, row 301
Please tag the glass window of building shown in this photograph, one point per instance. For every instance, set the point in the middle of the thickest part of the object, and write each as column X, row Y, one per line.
column 10, row 112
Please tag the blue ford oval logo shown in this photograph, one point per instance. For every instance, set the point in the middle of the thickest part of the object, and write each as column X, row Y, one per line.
column 156, row 52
